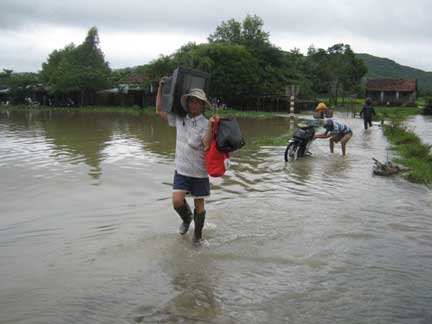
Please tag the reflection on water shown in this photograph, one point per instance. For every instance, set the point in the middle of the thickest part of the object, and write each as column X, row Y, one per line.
column 78, row 138
column 193, row 298
column 86, row 138
column 88, row 231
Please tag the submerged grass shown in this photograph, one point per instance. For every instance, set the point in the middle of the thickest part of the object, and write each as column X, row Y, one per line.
column 415, row 155
column 272, row 141
column 393, row 113
column 396, row 114
column 84, row 109
column 239, row 114
column 138, row 110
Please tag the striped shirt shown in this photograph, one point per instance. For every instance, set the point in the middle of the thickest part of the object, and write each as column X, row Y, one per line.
column 189, row 156
column 339, row 129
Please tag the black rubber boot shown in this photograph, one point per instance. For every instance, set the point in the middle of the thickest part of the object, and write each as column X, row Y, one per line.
column 199, row 220
column 185, row 214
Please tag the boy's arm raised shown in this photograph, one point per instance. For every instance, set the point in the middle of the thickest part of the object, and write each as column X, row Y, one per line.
column 162, row 114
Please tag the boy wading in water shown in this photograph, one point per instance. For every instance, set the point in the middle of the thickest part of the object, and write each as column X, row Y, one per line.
column 193, row 137
column 337, row 133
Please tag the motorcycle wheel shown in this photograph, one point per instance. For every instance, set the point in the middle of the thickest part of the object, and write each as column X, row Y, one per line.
column 292, row 152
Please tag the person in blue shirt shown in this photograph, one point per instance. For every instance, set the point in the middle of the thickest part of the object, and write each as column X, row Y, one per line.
column 337, row 133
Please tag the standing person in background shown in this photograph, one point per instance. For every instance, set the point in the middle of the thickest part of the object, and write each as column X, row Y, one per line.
column 337, row 133
column 193, row 137
column 322, row 109
column 367, row 112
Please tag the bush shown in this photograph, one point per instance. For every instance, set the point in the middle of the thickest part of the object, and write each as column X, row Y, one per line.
column 428, row 107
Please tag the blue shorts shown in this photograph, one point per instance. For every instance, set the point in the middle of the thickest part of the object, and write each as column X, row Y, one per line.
column 196, row 187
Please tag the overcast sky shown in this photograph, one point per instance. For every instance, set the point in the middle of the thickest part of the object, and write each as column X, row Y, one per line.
column 134, row 32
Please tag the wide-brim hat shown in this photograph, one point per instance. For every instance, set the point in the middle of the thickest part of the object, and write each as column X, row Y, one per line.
column 196, row 93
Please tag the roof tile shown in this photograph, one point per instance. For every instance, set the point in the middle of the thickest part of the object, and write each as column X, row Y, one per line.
column 391, row 84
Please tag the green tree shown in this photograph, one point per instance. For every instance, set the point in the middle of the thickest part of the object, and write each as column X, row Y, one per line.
column 6, row 73
column 242, row 60
column 252, row 33
column 78, row 70
column 162, row 66
column 293, row 70
column 249, row 32
column 21, row 85
column 344, row 69
column 52, row 70
column 334, row 72
column 5, row 78
column 230, row 31
column 94, row 71
column 232, row 67
column 271, row 74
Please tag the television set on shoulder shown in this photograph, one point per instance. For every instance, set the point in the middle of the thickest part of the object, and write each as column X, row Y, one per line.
column 181, row 82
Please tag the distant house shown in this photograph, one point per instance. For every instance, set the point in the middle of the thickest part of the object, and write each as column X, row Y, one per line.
column 131, row 92
column 392, row 91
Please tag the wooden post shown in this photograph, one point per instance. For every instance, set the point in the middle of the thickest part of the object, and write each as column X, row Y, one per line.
column 292, row 107
column 292, row 111
column 289, row 92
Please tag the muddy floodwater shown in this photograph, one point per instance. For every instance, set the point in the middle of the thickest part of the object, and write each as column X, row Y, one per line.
column 88, row 234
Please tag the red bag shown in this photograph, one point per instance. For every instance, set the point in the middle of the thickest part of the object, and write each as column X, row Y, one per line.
column 215, row 159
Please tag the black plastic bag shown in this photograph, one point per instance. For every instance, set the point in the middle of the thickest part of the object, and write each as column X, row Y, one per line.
column 228, row 136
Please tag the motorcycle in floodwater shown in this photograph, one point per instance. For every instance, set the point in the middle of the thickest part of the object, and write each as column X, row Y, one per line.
column 298, row 145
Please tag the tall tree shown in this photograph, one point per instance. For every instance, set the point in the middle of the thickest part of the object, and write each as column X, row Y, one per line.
column 230, row 31
column 80, row 69
column 344, row 69
column 7, row 72
column 253, row 33
column 52, row 70
column 249, row 33
column 242, row 60
column 270, row 72
column 232, row 67
column 335, row 71
column 94, row 71
column 21, row 85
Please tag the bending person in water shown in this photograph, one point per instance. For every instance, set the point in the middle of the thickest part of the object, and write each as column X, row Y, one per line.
column 337, row 133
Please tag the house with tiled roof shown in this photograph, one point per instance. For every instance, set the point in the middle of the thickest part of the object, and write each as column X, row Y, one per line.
column 392, row 91
column 130, row 91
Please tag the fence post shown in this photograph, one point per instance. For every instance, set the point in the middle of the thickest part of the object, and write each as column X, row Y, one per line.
column 292, row 102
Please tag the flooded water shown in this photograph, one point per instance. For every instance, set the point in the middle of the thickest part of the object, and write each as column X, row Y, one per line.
column 422, row 126
column 88, row 234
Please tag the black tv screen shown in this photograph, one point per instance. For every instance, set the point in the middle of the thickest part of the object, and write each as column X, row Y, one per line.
column 181, row 82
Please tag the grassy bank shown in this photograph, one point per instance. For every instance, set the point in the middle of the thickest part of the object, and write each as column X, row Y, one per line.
column 413, row 154
column 239, row 114
column 137, row 110
column 272, row 141
column 84, row 109
column 396, row 114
